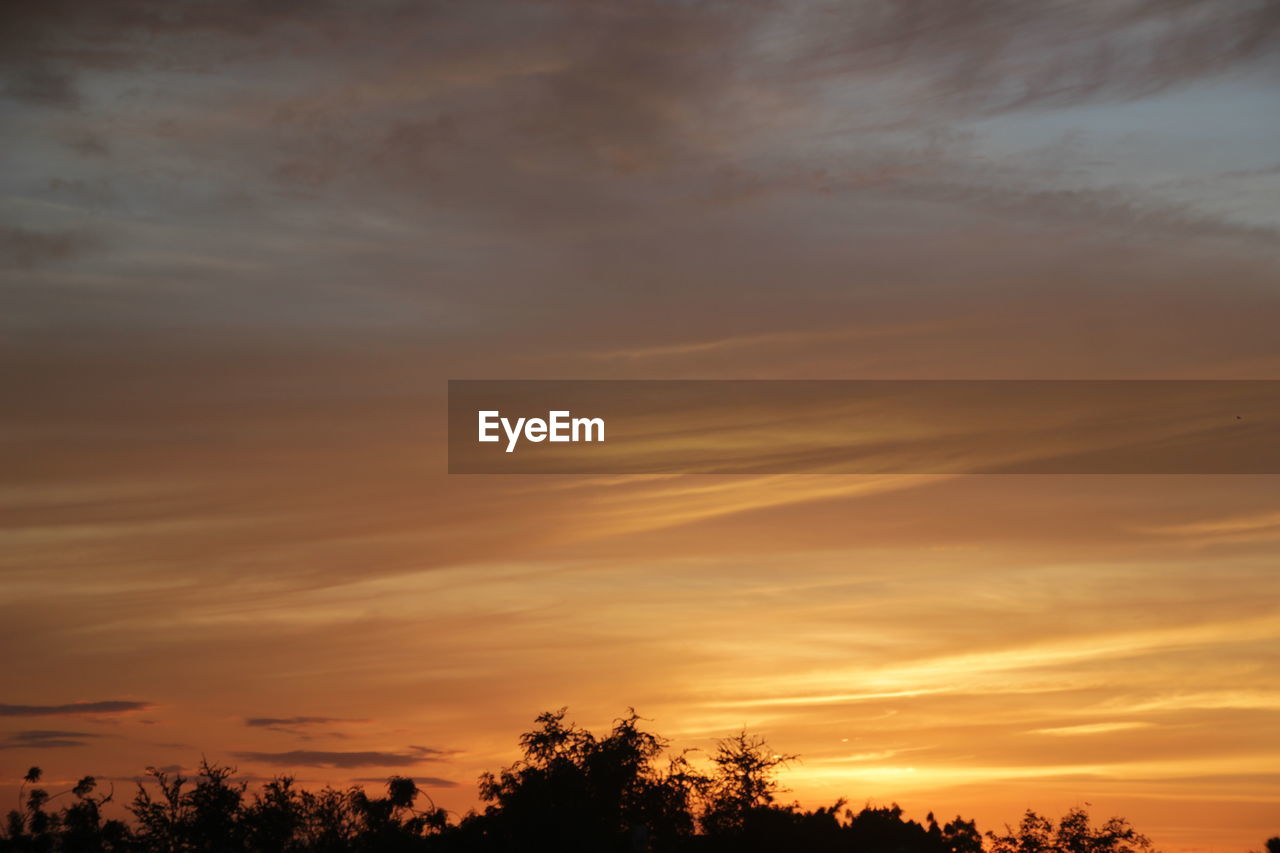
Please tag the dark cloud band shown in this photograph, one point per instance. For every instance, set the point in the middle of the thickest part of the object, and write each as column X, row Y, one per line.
column 317, row 758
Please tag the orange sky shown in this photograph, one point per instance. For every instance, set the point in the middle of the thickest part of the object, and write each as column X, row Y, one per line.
column 243, row 255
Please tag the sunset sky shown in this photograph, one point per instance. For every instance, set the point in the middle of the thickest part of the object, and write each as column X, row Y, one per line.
column 245, row 247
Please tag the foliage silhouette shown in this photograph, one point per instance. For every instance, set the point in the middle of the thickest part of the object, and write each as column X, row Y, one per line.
column 1074, row 834
column 571, row 792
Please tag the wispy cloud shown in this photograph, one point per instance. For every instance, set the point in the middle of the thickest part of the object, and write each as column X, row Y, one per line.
column 293, row 722
column 24, row 248
column 301, row 726
column 422, row 781
column 46, row 739
column 74, row 708
column 319, row 758
column 1093, row 728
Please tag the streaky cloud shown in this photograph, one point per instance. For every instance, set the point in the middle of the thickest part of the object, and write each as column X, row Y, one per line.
column 319, row 758
column 72, row 708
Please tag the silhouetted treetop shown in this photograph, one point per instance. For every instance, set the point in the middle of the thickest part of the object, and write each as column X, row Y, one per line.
column 571, row 791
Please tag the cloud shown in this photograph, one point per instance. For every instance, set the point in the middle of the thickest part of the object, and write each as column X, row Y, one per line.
column 1124, row 213
column 25, row 248
column 37, row 84
column 275, row 722
column 422, row 781
column 993, row 56
column 1093, row 728
column 317, row 758
column 592, row 92
column 46, row 739
column 613, row 74
column 297, row 725
column 73, row 708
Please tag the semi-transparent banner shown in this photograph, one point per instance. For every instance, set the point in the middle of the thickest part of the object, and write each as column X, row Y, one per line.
column 864, row 427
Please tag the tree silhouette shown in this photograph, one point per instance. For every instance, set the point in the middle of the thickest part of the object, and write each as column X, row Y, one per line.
column 573, row 791
column 77, row 826
column 570, row 792
column 1074, row 834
